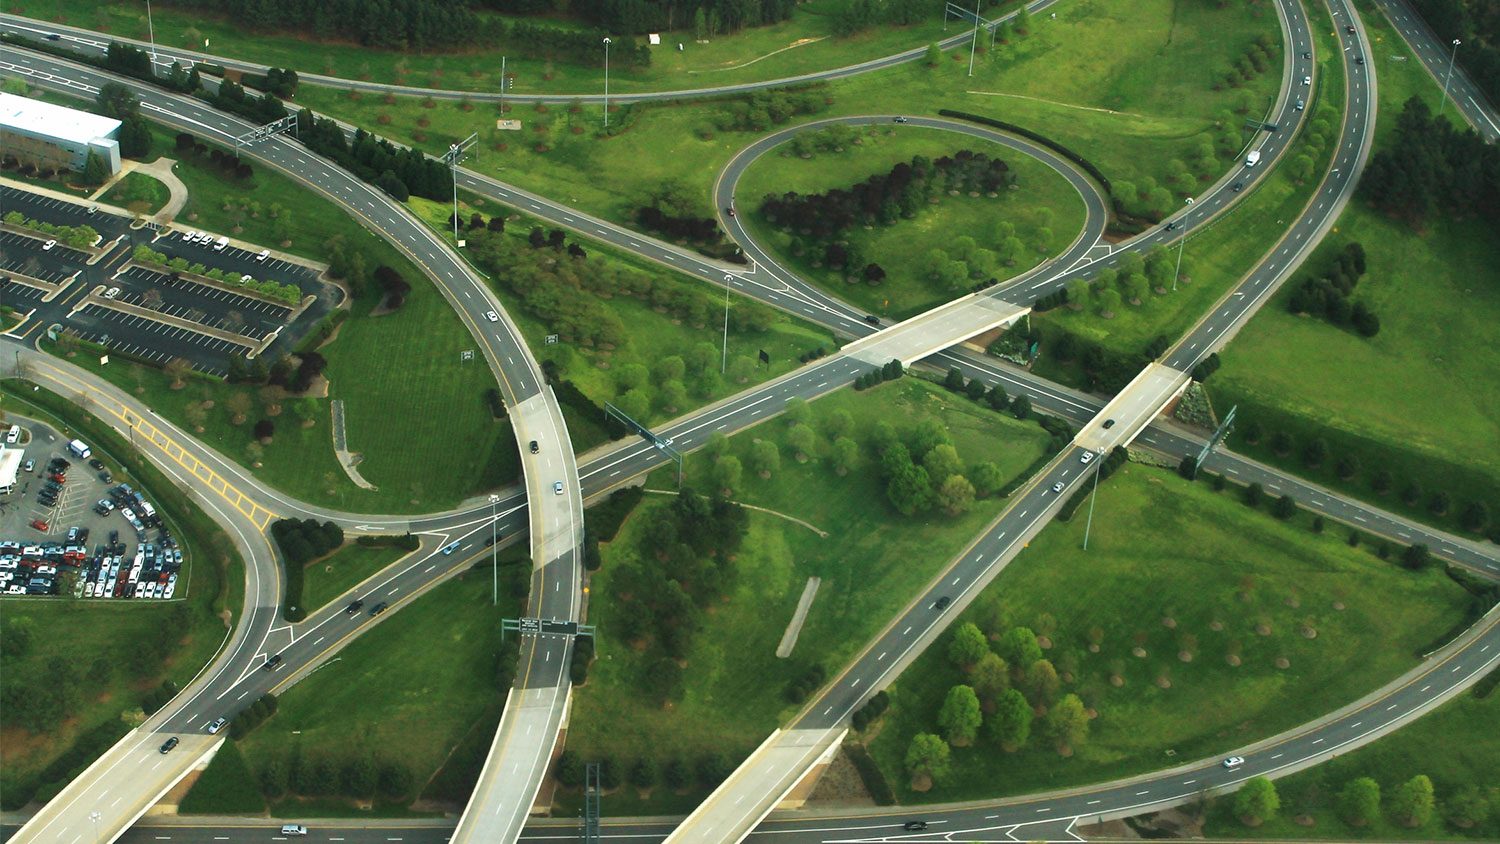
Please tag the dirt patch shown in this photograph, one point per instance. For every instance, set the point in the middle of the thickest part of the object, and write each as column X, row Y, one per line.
column 1233, row 660
column 1263, row 629
column 840, row 785
column 1283, row 662
column 1138, row 651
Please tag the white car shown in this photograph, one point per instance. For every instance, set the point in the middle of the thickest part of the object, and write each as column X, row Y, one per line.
column 1234, row 762
column 1057, row 487
column 491, row 316
column 112, row 293
column 47, row 247
column 557, row 487
column 262, row 254
column 1086, row 457
column 1307, row 80
column 216, row 725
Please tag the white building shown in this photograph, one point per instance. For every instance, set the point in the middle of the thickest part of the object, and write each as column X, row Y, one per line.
column 54, row 136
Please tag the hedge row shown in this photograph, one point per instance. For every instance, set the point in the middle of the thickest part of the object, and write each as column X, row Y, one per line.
column 1065, row 152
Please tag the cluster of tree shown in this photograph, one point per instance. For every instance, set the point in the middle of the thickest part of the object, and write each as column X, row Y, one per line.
column 1475, row 23
column 1255, row 60
column 922, row 470
column 393, row 285
column 805, row 683
column 859, row 15
column 1431, row 166
column 301, row 541
column 136, row 63
column 707, row 17
column 289, row 294
column 682, row 559
column 1328, row 296
column 666, row 385
column 673, row 209
column 356, row 776
column 115, row 100
column 397, row 170
column 1413, row 803
column 646, row 773
column 761, row 110
column 1009, row 689
column 574, row 46
column 78, row 237
column 228, row 163
column 256, row 714
column 884, row 199
column 392, row 24
column 232, row 97
column 873, row 708
column 279, row 81
column 1473, row 516
column 875, row 377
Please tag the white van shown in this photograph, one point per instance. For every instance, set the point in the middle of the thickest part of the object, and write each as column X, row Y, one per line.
column 13, row 435
column 1253, row 158
column 220, row 244
column 81, row 451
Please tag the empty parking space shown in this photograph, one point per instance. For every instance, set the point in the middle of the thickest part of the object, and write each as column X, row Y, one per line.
column 201, row 303
column 155, row 341
column 19, row 296
column 200, row 250
column 60, row 212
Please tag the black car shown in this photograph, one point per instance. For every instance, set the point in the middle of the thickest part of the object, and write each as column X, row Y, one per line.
column 1359, row 59
column 378, row 608
column 1171, row 227
column 272, row 662
column 1109, row 423
column 97, row 463
column 170, row 743
column 942, row 603
column 1349, row 28
column 355, row 606
column 106, row 477
column 872, row 319
column 534, row 448
column 1237, row 187
column 1307, row 54
column 914, row 826
column 491, row 540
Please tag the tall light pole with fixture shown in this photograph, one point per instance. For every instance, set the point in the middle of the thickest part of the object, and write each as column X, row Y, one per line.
column 494, row 553
column 1449, row 78
column 724, row 362
column 606, row 81
column 95, row 816
column 452, row 157
column 974, row 45
column 1182, row 242
column 151, row 32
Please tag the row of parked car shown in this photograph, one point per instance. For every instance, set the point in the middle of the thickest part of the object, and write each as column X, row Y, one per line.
column 33, row 568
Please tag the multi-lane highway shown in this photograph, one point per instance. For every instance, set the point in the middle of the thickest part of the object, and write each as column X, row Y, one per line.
column 633, row 458
column 1439, row 57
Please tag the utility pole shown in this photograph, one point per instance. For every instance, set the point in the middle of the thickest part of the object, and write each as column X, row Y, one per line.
column 95, row 816
column 151, row 31
column 1098, row 467
column 974, row 44
column 1181, row 242
column 1449, row 78
column 502, row 86
column 494, row 554
column 724, row 363
column 606, row 81
column 452, row 157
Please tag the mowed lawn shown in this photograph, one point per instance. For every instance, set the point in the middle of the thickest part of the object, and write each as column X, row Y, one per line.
column 138, row 190
column 902, row 247
column 329, row 577
column 1456, row 746
column 1233, row 582
column 870, row 562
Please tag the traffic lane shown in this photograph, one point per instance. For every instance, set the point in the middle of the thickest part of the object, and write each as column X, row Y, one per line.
column 1434, row 55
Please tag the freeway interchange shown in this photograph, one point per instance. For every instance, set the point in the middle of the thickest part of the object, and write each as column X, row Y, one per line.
column 554, row 523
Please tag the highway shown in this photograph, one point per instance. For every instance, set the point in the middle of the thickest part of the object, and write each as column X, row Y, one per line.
column 555, row 521
column 627, row 458
column 1435, row 55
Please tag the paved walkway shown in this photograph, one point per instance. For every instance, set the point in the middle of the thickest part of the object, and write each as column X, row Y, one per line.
column 161, row 170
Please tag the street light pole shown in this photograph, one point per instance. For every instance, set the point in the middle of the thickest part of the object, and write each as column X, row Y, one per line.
column 606, row 81
column 494, row 554
column 151, row 31
column 724, row 362
column 974, row 44
column 95, row 816
column 1449, row 78
column 1098, row 467
column 1181, row 242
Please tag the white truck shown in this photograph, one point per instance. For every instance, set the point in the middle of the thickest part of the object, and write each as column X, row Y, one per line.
column 1253, row 158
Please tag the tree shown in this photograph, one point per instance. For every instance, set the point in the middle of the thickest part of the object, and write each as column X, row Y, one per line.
column 960, row 716
column 990, row 677
column 941, row 462
column 1412, row 803
column 1109, row 302
column 1416, row 557
column 727, row 474
column 764, row 458
column 802, row 440
column 909, row 489
column 177, row 369
column 986, row 478
column 1254, row 495
column 968, row 646
column 1284, row 508
column 797, row 412
column 1041, row 683
column 955, row 495
column 1315, row 453
column 954, row 380
column 838, row 423
column 1359, row 802
column 1010, row 725
column 1468, row 807
column 845, row 455
column 1257, row 801
column 928, row 761
column 644, row 774
column 1018, row 648
column 934, row 54
column 1067, row 724
column 95, row 171
column 1021, row 407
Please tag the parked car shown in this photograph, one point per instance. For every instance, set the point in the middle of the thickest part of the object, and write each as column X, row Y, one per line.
column 47, row 247
column 40, row 525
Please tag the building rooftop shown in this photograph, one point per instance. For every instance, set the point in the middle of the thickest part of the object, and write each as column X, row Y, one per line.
column 35, row 117
column 10, row 465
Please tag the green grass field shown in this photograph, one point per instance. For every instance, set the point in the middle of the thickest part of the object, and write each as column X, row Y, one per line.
column 1455, row 745
column 329, row 577
column 901, row 247
column 869, row 561
column 803, row 44
column 138, row 191
column 1436, row 295
column 1162, row 96
column 1160, row 549
column 94, row 647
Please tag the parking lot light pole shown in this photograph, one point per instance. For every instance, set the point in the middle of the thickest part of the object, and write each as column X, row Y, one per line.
column 606, row 81
column 1448, row 78
column 1181, row 242
column 494, row 554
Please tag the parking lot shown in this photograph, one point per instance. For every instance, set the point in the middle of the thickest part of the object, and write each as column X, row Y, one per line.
column 186, row 299
column 22, row 254
column 155, row 341
column 70, row 527
column 61, row 213
column 236, row 260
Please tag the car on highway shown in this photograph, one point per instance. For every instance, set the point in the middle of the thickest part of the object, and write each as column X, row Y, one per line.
column 914, row 826
column 729, row 211
column 47, row 247
column 534, row 447
column 52, row 36
column 216, row 725
column 1171, row 227
column 1108, row 423
column 491, row 316
column 296, row 829
column 903, row 120
column 1300, row 105
column 1359, row 59
column 354, row 606
column 1057, row 487
column 872, row 319
column 169, row 744
column 272, row 662
column 1234, row 762
column 378, row 608
column 557, row 487
column 942, row 603
column 1086, row 457
column 1307, row 54
column 1237, row 187
column 1307, row 80
column 1349, row 28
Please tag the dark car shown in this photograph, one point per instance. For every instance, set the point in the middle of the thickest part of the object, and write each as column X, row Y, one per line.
column 914, row 826
column 489, row 541
column 942, row 603
column 1237, row 187
column 1359, row 59
column 534, row 447
column 729, row 210
column 1349, row 28
column 1109, row 423
column 1171, row 227
column 378, row 608
column 1307, row 54
column 355, row 606
column 52, row 36
column 97, row 463
column 169, row 744
column 272, row 662
column 106, row 477
column 872, row 319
